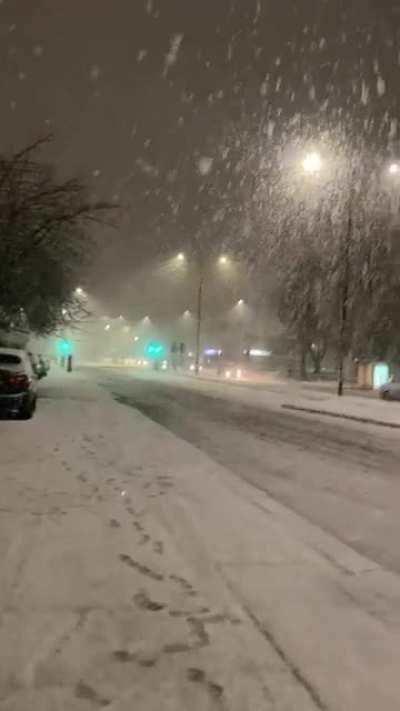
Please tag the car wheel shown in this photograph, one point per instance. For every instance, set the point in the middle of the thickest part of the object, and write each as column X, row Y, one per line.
column 27, row 410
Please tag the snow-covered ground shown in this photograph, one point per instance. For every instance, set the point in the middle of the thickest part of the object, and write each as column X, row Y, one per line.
column 139, row 574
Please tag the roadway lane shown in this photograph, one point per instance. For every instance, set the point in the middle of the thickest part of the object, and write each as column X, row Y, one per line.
column 342, row 476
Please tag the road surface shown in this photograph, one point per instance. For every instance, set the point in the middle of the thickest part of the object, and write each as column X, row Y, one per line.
column 341, row 476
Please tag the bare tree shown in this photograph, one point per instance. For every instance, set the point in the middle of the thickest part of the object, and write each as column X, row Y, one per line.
column 45, row 241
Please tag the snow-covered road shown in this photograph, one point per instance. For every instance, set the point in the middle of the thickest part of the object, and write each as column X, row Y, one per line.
column 343, row 476
column 140, row 573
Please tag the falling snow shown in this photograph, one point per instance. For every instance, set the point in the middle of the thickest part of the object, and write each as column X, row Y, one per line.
column 172, row 55
column 364, row 93
column 94, row 72
column 147, row 168
column 381, row 86
column 205, row 165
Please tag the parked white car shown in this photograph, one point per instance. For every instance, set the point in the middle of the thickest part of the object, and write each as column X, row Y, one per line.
column 390, row 391
column 18, row 384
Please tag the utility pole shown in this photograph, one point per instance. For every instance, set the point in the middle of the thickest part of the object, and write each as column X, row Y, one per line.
column 345, row 256
column 199, row 322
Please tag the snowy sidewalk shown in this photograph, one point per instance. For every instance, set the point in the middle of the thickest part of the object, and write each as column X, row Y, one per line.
column 311, row 400
column 348, row 407
column 138, row 574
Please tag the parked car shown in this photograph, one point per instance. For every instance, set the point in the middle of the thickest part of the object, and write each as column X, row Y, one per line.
column 40, row 366
column 390, row 391
column 37, row 364
column 18, row 384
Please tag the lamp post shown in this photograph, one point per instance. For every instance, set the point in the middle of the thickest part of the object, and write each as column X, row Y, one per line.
column 199, row 319
column 312, row 166
column 345, row 259
column 223, row 260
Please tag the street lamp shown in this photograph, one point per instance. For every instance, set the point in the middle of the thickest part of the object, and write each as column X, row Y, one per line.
column 79, row 291
column 240, row 302
column 312, row 163
column 394, row 168
column 312, row 166
column 223, row 260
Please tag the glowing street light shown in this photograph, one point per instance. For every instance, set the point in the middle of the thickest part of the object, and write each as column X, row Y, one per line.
column 394, row 169
column 223, row 260
column 240, row 302
column 312, row 163
column 79, row 291
column 136, row 338
column 107, row 327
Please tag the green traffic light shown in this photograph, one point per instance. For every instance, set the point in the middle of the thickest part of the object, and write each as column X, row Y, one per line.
column 64, row 347
column 154, row 350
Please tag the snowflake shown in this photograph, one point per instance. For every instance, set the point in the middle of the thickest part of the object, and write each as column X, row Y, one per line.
column 147, row 168
column 142, row 53
column 172, row 55
column 271, row 128
column 264, row 88
column 94, row 72
column 381, row 86
column 205, row 165
column 364, row 93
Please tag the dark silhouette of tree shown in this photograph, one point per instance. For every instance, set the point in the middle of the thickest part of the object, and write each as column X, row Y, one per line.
column 45, row 242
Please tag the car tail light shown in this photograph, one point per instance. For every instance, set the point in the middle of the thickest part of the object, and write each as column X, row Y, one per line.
column 19, row 381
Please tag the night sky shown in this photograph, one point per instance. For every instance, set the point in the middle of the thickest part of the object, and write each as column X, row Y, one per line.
column 143, row 98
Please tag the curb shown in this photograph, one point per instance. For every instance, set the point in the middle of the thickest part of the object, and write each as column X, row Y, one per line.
column 354, row 418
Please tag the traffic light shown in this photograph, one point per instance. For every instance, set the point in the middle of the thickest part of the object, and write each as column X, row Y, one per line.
column 64, row 347
column 154, row 350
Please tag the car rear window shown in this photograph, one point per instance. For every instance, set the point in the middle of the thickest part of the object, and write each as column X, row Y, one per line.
column 9, row 359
